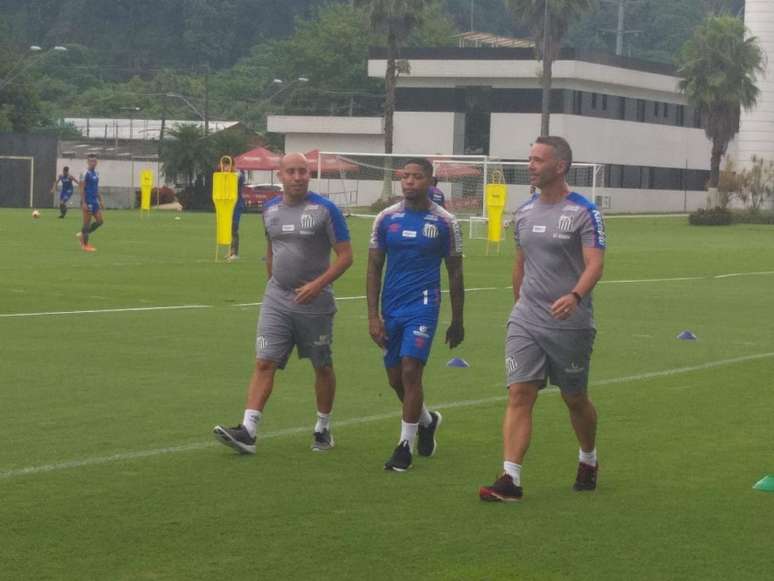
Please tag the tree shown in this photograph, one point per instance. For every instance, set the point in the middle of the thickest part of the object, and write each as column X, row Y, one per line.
column 548, row 36
column 756, row 183
column 718, row 66
column 396, row 19
column 185, row 155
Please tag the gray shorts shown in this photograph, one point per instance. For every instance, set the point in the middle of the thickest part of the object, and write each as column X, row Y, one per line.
column 279, row 330
column 558, row 356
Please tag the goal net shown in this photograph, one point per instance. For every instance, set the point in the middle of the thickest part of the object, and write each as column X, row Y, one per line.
column 360, row 179
column 582, row 177
column 18, row 181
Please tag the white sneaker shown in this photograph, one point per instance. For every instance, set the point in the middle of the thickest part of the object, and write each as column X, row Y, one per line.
column 232, row 257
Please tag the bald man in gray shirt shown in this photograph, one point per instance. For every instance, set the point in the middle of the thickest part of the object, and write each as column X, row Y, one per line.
column 560, row 237
column 298, row 306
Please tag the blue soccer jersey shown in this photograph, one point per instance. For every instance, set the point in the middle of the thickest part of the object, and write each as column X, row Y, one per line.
column 67, row 185
column 414, row 242
column 91, row 186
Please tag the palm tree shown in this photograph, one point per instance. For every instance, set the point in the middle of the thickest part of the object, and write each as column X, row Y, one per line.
column 552, row 17
column 718, row 66
column 396, row 19
column 185, row 155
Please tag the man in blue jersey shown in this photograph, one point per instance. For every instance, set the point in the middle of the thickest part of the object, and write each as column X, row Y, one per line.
column 413, row 236
column 560, row 238
column 239, row 207
column 65, row 180
column 298, row 306
column 436, row 195
column 91, row 203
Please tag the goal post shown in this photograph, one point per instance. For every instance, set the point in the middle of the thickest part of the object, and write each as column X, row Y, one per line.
column 351, row 179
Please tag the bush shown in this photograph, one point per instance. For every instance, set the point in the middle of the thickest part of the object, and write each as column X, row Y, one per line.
column 381, row 204
column 714, row 217
column 753, row 217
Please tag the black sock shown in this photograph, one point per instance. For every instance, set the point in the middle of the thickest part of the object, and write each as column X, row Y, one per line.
column 62, row 210
column 94, row 226
column 85, row 235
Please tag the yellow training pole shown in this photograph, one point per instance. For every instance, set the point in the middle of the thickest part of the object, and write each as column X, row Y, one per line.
column 496, row 196
column 225, row 184
column 146, row 185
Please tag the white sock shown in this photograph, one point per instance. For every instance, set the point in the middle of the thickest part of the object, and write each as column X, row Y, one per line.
column 514, row 471
column 408, row 433
column 251, row 420
column 323, row 422
column 589, row 458
column 425, row 419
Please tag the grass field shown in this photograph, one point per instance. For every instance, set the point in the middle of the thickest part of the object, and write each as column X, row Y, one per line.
column 108, row 470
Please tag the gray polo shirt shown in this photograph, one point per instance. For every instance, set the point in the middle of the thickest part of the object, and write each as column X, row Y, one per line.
column 551, row 238
column 302, row 237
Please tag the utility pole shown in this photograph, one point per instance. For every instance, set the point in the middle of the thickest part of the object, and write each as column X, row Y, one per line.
column 206, row 99
column 546, row 104
column 472, row 12
column 619, row 34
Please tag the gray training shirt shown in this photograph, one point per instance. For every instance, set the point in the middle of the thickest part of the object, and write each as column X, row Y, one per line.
column 301, row 238
column 552, row 238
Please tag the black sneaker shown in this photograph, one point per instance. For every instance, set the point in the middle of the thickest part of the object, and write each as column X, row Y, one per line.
column 503, row 490
column 426, row 443
column 401, row 458
column 322, row 441
column 237, row 438
column 586, row 478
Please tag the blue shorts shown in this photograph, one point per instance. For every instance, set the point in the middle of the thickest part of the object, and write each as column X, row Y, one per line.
column 65, row 196
column 409, row 335
column 93, row 206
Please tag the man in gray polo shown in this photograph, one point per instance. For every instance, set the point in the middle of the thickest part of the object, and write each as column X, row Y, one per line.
column 298, row 305
column 560, row 237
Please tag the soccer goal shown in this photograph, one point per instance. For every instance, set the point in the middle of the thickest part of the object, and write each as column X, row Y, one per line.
column 360, row 179
column 18, row 187
column 582, row 177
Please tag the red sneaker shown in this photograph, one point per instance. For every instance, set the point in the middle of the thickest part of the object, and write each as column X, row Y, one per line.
column 586, row 478
column 88, row 248
column 503, row 490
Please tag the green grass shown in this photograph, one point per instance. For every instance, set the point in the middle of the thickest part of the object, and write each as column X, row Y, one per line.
column 679, row 452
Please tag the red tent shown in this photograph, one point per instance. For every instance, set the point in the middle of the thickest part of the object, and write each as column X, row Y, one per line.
column 445, row 171
column 259, row 159
column 330, row 164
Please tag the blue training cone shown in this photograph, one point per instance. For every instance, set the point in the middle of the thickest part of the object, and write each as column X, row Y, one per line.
column 765, row 484
column 687, row 336
column 457, row 362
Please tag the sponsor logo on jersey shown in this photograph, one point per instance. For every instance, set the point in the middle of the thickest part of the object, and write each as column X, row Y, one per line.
column 538, row 229
column 272, row 209
column 409, row 233
column 571, row 208
column 288, row 227
column 565, row 223
column 431, row 218
column 322, row 340
column 510, row 364
column 397, row 215
column 394, row 227
column 430, row 231
column 308, row 221
column 600, row 228
column 312, row 206
column 421, row 331
column 261, row 343
column 562, row 236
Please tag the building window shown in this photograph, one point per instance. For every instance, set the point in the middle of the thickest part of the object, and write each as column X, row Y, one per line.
column 655, row 108
column 622, row 108
column 604, row 102
column 593, row 100
column 640, row 110
column 577, row 103
column 666, row 110
column 680, row 116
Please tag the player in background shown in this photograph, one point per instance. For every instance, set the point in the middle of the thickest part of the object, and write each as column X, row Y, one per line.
column 436, row 195
column 560, row 238
column 298, row 305
column 91, row 203
column 65, row 181
column 413, row 236
column 238, row 209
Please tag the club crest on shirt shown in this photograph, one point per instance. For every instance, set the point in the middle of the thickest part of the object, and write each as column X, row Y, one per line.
column 510, row 364
column 308, row 221
column 430, row 231
column 565, row 223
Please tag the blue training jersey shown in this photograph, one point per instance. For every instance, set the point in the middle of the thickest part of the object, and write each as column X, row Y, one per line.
column 437, row 196
column 91, row 185
column 414, row 242
column 67, row 183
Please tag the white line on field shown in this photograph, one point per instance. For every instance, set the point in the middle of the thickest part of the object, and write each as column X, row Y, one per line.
column 97, row 311
column 363, row 297
column 124, row 456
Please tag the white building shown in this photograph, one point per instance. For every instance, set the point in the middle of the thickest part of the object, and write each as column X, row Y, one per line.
column 756, row 130
column 624, row 113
